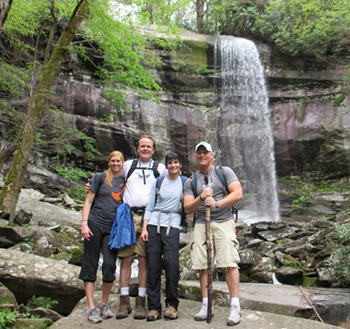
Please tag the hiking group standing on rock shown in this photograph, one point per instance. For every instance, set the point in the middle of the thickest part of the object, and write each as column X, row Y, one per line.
column 155, row 197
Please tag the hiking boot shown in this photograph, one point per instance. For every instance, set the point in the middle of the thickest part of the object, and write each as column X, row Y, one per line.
column 153, row 315
column 124, row 307
column 235, row 315
column 202, row 314
column 170, row 313
column 93, row 316
column 106, row 312
column 140, row 308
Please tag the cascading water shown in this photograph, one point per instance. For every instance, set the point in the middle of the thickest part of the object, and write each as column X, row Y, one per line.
column 244, row 129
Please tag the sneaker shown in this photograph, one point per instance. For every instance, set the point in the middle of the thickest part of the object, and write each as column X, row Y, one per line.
column 153, row 315
column 202, row 314
column 235, row 315
column 140, row 308
column 170, row 313
column 106, row 312
column 93, row 316
column 124, row 307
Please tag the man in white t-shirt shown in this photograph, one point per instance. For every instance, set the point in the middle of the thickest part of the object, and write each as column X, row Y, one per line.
column 141, row 175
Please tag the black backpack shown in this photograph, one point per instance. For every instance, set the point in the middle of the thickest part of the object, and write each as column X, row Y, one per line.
column 220, row 173
column 159, row 182
column 134, row 166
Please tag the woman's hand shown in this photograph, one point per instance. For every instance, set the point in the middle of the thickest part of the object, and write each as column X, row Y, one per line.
column 85, row 231
column 144, row 234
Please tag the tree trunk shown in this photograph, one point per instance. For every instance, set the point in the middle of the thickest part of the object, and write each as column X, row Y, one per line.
column 36, row 109
column 5, row 6
column 200, row 14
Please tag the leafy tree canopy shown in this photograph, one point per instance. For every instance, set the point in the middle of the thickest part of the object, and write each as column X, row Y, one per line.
column 33, row 24
column 316, row 27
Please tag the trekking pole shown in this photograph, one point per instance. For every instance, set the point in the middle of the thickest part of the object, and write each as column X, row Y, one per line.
column 209, row 258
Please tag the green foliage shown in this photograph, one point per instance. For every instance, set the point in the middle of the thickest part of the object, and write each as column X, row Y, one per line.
column 302, row 188
column 71, row 173
column 7, row 317
column 13, row 80
column 231, row 17
column 127, row 59
column 26, row 17
column 293, row 263
column 77, row 192
column 339, row 100
column 11, row 117
column 125, row 53
column 63, row 140
column 339, row 262
column 314, row 27
column 43, row 302
column 168, row 13
column 110, row 118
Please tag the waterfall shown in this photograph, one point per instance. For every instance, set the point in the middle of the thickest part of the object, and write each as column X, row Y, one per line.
column 244, row 136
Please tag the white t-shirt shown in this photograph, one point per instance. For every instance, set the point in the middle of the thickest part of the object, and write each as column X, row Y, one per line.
column 140, row 183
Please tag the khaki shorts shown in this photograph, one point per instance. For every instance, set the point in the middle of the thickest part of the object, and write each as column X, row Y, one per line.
column 223, row 241
column 136, row 249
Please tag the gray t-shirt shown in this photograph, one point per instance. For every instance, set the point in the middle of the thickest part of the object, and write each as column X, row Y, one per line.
column 219, row 192
column 106, row 201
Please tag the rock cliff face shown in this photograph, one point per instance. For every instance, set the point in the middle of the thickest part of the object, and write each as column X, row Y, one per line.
column 310, row 110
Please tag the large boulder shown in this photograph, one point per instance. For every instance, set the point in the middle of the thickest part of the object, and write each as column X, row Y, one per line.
column 26, row 275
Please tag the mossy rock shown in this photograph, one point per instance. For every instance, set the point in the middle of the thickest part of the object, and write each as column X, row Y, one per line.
column 309, row 281
column 32, row 323
column 77, row 256
column 6, row 296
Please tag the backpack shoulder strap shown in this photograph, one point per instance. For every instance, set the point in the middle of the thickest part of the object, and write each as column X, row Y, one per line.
column 159, row 182
column 132, row 168
column 101, row 180
column 155, row 169
column 194, row 185
column 184, row 179
column 220, row 173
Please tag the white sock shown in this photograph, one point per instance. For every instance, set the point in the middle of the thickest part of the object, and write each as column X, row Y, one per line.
column 124, row 291
column 205, row 301
column 142, row 291
column 235, row 301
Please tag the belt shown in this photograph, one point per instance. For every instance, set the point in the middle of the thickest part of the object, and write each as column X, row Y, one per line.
column 138, row 210
column 170, row 219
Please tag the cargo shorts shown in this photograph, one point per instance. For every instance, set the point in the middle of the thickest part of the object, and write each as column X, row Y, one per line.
column 223, row 242
column 136, row 249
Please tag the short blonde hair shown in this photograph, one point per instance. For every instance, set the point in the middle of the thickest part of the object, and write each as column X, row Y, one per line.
column 149, row 137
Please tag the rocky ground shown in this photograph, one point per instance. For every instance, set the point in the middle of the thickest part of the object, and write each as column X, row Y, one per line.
column 187, row 309
column 42, row 253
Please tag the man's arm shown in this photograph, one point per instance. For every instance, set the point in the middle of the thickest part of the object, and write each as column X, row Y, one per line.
column 235, row 195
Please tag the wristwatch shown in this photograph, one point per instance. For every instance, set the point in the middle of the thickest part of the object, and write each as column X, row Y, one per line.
column 216, row 204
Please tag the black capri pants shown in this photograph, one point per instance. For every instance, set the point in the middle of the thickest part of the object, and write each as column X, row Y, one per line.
column 98, row 242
